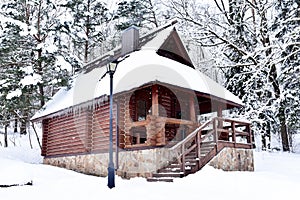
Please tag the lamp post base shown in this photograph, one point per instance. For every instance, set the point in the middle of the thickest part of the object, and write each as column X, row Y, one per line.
column 111, row 177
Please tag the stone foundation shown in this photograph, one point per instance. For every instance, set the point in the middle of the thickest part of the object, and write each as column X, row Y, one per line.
column 233, row 159
column 142, row 163
column 138, row 163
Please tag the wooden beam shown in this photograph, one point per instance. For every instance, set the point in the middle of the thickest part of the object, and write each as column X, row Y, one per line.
column 155, row 111
column 192, row 109
column 177, row 121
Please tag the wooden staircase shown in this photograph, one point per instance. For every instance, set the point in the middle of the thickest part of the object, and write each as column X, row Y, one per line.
column 191, row 164
column 197, row 149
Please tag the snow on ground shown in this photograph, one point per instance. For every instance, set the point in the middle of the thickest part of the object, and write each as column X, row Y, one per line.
column 276, row 176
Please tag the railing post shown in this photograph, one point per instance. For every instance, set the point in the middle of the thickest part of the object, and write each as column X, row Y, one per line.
column 183, row 158
column 249, row 138
column 233, row 132
column 215, row 127
column 199, row 148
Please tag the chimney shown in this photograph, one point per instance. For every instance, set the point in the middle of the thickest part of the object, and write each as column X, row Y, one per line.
column 130, row 40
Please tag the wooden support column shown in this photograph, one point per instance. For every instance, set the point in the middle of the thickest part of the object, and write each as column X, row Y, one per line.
column 249, row 137
column 219, row 111
column 45, row 127
column 233, row 132
column 192, row 109
column 219, row 114
column 155, row 111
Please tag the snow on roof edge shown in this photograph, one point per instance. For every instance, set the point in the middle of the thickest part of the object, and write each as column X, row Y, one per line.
column 128, row 76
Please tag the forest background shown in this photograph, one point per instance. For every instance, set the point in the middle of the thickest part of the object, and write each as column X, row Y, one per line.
column 251, row 47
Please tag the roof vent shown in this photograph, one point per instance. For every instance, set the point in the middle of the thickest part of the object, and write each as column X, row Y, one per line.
column 130, row 40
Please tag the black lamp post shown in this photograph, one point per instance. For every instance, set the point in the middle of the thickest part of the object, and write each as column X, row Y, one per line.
column 111, row 68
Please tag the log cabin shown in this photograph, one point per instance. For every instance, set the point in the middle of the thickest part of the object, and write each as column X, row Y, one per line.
column 167, row 115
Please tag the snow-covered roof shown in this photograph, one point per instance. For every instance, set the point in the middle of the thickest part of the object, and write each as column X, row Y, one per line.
column 140, row 68
column 160, row 38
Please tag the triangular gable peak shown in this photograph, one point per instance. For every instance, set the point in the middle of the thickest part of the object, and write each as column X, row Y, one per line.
column 174, row 49
column 164, row 40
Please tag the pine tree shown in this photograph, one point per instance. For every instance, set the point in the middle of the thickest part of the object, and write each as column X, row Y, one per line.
column 88, row 26
column 15, row 56
column 34, row 56
column 137, row 13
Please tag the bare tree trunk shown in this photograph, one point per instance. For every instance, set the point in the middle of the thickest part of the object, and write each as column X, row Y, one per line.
column 23, row 127
column 87, row 32
column 153, row 13
column 39, row 38
column 16, row 125
column 273, row 79
column 5, row 136
column 36, row 134
column 283, row 129
column 29, row 137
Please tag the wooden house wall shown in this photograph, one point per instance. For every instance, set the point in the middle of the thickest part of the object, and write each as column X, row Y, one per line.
column 66, row 134
column 88, row 131
column 75, row 133
column 125, row 118
column 45, row 129
column 100, row 128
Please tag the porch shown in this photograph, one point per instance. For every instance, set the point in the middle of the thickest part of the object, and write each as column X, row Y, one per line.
column 224, row 143
column 159, row 115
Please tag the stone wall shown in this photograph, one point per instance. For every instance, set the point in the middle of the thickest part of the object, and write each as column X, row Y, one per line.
column 93, row 164
column 234, row 159
column 137, row 163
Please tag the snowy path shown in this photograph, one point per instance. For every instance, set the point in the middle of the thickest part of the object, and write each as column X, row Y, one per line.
column 276, row 176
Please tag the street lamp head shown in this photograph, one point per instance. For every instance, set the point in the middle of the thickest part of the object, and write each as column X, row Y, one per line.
column 111, row 67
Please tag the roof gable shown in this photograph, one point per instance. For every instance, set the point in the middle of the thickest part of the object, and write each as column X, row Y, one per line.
column 174, row 49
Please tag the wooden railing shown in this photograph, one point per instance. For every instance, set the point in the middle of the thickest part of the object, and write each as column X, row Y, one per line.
column 157, row 119
column 191, row 142
column 234, row 132
column 165, row 119
column 214, row 128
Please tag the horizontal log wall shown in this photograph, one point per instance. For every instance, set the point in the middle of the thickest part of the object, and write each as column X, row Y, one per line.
column 78, row 132
column 67, row 134
column 45, row 128
column 100, row 128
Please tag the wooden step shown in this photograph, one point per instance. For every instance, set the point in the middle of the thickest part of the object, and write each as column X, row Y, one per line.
column 190, row 157
column 191, row 161
column 169, row 170
column 204, row 152
column 192, row 153
column 205, row 144
column 206, row 148
column 160, row 180
column 173, row 175
column 173, row 166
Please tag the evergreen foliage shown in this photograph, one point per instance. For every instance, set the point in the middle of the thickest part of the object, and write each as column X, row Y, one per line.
column 134, row 12
column 255, row 44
